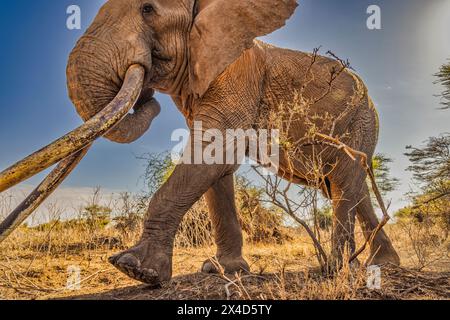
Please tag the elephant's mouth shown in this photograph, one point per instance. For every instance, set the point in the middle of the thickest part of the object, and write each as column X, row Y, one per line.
column 71, row 148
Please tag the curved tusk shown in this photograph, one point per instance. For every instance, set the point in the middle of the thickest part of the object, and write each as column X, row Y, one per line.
column 34, row 200
column 81, row 137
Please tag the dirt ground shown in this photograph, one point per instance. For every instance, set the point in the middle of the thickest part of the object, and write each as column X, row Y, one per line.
column 287, row 271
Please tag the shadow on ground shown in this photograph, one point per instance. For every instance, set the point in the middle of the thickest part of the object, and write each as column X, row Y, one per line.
column 197, row 286
column 397, row 283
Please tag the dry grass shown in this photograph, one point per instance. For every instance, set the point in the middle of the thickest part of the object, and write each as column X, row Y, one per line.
column 34, row 264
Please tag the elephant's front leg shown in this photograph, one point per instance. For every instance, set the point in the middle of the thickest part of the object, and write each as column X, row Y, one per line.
column 151, row 260
column 227, row 227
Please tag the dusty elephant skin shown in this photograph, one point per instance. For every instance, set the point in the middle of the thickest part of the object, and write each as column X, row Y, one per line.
column 204, row 55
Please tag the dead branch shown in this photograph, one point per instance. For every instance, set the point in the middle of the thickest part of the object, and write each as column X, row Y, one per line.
column 273, row 192
column 354, row 154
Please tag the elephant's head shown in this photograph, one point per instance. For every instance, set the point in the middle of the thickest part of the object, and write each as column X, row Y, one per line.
column 132, row 48
column 182, row 44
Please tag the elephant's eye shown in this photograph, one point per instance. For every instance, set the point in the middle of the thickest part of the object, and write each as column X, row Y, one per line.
column 147, row 9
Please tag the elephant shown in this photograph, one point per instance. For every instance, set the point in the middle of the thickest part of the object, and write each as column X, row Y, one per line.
column 205, row 55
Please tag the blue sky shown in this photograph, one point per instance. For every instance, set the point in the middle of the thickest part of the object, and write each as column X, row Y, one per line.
column 396, row 62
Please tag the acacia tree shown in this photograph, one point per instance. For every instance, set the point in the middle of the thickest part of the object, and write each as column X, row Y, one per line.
column 430, row 166
column 444, row 78
column 158, row 168
column 431, row 163
column 382, row 171
column 95, row 214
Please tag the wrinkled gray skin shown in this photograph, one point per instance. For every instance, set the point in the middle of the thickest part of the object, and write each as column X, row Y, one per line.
column 204, row 56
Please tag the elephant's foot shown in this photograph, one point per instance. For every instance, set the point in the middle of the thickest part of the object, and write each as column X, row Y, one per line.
column 145, row 263
column 384, row 255
column 229, row 265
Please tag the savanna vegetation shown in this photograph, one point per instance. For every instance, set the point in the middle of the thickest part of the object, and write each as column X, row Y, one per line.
column 287, row 235
column 36, row 261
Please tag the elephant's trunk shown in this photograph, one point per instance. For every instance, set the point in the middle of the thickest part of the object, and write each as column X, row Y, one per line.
column 94, row 77
column 81, row 137
column 69, row 149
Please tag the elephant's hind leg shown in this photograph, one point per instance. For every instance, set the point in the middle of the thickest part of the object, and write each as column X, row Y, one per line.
column 382, row 250
column 344, row 207
column 227, row 228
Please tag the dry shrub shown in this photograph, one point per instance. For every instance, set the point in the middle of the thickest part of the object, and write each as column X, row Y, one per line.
column 129, row 222
column 260, row 224
column 323, row 144
column 349, row 283
column 425, row 240
column 346, row 284
column 195, row 230
column 34, row 261
column 287, row 271
column 434, row 214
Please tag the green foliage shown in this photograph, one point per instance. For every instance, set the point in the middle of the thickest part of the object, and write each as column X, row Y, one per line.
column 444, row 78
column 158, row 169
column 410, row 213
column 92, row 216
column 431, row 163
column 381, row 170
column 427, row 207
column 58, row 225
column 260, row 223
column 430, row 166
column 97, row 216
column 324, row 217
column 385, row 182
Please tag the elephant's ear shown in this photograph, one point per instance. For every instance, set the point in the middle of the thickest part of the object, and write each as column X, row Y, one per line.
column 223, row 29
